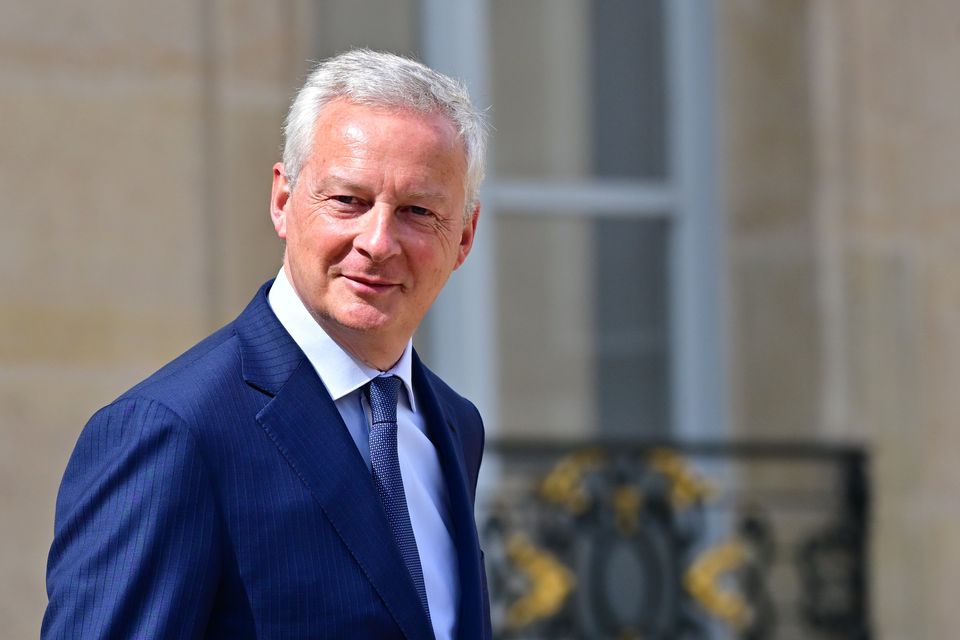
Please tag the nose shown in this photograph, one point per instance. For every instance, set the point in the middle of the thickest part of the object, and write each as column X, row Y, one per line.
column 377, row 237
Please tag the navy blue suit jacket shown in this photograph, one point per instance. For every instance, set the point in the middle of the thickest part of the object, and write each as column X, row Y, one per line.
column 224, row 498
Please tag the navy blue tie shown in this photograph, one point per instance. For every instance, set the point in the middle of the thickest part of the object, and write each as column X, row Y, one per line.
column 385, row 465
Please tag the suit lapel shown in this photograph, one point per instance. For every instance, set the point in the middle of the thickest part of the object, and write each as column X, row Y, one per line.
column 447, row 442
column 304, row 424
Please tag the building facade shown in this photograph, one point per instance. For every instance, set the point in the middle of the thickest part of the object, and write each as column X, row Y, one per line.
column 729, row 220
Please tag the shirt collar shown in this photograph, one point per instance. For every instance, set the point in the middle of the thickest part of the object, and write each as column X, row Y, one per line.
column 340, row 372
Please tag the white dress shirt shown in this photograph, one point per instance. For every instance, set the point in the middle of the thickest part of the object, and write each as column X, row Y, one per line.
column 423, row 483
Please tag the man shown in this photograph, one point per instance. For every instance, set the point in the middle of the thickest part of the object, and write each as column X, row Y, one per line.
column 300, row 473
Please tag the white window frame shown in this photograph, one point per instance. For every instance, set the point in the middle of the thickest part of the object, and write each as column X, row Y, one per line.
column 463, row 334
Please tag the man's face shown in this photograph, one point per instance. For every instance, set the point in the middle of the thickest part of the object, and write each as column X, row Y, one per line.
column 374, row 225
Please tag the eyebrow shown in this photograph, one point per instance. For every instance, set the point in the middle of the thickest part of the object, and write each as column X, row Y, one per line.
column 428, row 195
column 340, row 181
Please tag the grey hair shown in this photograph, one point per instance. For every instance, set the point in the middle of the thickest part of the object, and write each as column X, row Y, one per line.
column 377, row 79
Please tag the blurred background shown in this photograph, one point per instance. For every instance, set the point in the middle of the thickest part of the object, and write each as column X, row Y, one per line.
column 727, row 227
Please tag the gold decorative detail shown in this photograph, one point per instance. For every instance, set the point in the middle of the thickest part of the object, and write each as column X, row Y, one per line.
column 626, row 504
column 702, row 581
column 550, row 583
column 686, row 488
column 564, row 484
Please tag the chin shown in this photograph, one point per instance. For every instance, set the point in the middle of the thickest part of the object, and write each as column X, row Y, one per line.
column 364, row 318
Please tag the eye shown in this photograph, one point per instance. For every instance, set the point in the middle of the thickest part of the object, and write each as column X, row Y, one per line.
column 346, row 199
column 418, row 211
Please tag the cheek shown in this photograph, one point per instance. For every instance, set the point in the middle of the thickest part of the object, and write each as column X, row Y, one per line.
column 437, row 250
column 324, row 247
column 437, row 270
column 307, row 236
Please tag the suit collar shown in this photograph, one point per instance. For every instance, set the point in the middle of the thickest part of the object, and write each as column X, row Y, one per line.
column 303, row 423
column 268, row 354
column 443, row 433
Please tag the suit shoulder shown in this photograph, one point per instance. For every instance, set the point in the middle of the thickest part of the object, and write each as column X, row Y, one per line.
column 184, row 380
column 447, row 395
column 464, row 413
column 135, row 475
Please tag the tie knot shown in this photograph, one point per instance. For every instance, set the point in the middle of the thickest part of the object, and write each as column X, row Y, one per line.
column 383, row 399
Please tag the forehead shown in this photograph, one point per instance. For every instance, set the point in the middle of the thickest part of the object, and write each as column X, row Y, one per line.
column 423, row 147
column 353, row 122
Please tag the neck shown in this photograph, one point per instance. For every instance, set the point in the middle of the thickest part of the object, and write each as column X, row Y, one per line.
column 374, row 352
column 378, row 350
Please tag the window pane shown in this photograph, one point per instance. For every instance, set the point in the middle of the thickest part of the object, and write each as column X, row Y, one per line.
column 583, row 325
column 578, row 89
column 628, row 85
column 631, row 330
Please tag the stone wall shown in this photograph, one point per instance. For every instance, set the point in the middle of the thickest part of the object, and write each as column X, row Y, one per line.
column 134, row 177
column 901, row 256
column 842, row 143
column 135, row 171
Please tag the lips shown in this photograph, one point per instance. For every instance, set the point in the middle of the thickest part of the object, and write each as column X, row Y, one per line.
column 369, row 283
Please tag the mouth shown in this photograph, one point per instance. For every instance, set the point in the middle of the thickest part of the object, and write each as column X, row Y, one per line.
column 369, row 284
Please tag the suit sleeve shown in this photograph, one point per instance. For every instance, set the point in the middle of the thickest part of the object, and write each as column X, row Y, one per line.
column 136, row 536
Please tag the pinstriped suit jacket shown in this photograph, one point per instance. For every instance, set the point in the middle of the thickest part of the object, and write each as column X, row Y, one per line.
column 223, row 498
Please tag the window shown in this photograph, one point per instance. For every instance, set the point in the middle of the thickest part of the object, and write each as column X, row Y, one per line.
column 590, row 305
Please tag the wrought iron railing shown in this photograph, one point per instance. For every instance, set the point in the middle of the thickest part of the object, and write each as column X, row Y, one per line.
column 677, row 541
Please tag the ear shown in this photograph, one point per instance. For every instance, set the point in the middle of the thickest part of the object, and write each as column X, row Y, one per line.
column 467, row 236
column 279, row 200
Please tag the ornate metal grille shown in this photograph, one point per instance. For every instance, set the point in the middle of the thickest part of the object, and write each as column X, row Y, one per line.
column 680, row 541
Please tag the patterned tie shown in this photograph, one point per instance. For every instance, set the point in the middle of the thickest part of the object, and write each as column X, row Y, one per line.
column 386, row 474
